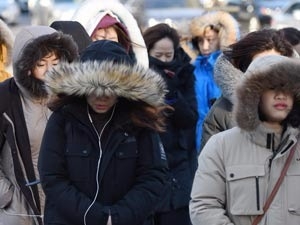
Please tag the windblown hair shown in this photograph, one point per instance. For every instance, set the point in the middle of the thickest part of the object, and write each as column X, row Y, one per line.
column 291, row 34
column 242, row 52
column 123, row 38
column 144, row 115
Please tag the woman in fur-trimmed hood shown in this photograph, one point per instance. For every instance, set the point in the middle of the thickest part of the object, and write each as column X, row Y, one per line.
column 6, row 43
column 23, row 117
column 244, row 163
column 107, row 122
column 227, row 26
column 230, row 68
column 211, row 32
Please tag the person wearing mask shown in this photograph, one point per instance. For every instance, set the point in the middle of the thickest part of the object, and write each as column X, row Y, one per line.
column 249, row 174
column 101, row 160
column 230, row 68
column 111, row 20
column 173, row 64
column 6, row 43
column 211, row 33
column 24, row 114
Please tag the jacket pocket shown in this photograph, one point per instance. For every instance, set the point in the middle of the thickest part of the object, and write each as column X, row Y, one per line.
column 245, row 189
column 126, row 151
column 125, row 161
column 78, row 163
column 293, row 197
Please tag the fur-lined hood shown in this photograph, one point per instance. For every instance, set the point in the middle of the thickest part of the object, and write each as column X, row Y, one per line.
column 266, row 72
column 91, row 12
column 226, row 77
column 27, row 44
column 7, row 38
column 105, row 78
column 229, row 28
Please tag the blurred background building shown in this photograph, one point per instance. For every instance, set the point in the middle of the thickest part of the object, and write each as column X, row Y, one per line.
column 252, row 14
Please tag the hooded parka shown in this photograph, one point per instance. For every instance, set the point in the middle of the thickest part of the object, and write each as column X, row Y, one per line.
column 89, row 172
column 239, row 167
column 22, row 120
column 206, row 89
column 91, row 12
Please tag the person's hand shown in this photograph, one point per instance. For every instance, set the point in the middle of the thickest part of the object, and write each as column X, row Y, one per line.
column 172, row 85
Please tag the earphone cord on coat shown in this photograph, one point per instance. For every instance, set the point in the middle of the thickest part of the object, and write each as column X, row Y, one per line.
column 99, row 160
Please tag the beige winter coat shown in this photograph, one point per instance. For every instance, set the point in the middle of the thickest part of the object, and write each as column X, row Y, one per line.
column 238, row 168
column 234, row 171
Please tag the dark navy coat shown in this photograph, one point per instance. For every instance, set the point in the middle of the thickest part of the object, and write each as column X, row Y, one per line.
column 131, row 171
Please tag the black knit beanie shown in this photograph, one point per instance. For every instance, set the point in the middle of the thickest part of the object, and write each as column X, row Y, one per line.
column 76, row 30
column 105, row 50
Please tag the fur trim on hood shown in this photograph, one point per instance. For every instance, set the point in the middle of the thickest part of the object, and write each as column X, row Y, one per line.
column 229, row 28
column 90, row 13
column 27, row 45
column 106, row 78
column 226, row 77
column 266, row 72
column 6, row 37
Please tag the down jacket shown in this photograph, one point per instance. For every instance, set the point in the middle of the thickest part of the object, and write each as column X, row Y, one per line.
column 89, row 173
column 239, row 167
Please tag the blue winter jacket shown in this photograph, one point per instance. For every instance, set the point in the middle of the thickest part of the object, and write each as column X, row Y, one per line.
column 206, row 89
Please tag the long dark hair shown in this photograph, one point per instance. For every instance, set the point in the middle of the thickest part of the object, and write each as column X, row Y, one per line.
column 242, row 52
column 159, row 31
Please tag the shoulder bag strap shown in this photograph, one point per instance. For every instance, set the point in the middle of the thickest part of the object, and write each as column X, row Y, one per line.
column 277, row 185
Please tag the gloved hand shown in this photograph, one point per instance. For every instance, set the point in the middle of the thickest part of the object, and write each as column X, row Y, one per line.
column 172, row 86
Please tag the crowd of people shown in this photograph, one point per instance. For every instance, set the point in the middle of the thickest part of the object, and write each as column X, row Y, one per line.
column 103, row 123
